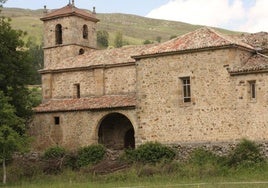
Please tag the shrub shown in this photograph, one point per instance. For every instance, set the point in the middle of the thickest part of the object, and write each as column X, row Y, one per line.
column 71, row 160
column 201, row 157
column 151, row 152
column 204, row 163
column 54, row 158
column 90, row 155
column 23, row 169
column 246, row 153
column 148, row 170
column 54, row 153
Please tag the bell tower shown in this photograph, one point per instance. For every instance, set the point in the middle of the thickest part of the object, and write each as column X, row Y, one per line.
column 68, row 32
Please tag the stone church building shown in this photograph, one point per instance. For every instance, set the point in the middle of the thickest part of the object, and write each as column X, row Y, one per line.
column 200, row 88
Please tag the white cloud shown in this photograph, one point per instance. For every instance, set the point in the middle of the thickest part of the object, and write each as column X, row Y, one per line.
column 257, row 17
column 229, row 14
column 203, row 12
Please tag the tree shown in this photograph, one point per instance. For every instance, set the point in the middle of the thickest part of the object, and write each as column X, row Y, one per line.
column 10, row 140
column 147, row 42
column 118, row 41
column 37, row 59
column 103, row 39
column 16, row 71
column 172, row 37
column 2, row 2
column 158, row 39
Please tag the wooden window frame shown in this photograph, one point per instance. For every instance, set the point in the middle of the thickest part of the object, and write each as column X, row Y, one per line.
column 186, row 89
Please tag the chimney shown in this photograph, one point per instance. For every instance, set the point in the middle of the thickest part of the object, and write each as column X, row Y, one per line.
column 45, row 9
column 94, row 10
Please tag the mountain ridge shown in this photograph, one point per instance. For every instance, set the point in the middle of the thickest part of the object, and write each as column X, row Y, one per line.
column 135, row 29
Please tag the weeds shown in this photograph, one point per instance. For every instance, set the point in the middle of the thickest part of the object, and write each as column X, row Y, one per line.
column 152, row 162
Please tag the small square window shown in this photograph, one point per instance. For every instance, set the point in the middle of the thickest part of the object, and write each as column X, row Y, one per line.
column 56, row 120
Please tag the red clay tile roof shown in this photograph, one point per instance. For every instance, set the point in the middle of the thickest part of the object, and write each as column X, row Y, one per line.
column 258, row 40
column 93, row 103
column 256, row 63
column 201, row 38
column 103, row 57
column 70, row 10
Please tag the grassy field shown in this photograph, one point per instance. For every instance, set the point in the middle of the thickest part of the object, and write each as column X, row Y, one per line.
column 149, row 183
column 132, row 178
column 244, row 167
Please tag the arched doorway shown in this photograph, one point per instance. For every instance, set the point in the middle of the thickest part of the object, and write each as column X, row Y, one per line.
column 116, row 132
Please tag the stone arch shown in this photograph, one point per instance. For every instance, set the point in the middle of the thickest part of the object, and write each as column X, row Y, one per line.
column 116, row 132
column 85, row 32
column 58, row 33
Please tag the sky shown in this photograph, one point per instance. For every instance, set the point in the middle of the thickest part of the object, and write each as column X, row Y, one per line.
column 238, row 15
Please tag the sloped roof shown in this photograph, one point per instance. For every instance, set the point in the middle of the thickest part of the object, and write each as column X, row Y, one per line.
column 102, row 57
column 93, row 103
column 70, row 10
column 202, row 38
column 256, row 63
column 258, row 40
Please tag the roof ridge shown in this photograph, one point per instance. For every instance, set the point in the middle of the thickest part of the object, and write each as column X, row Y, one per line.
column 230, row 39
column 223, row 36
column 69, row 10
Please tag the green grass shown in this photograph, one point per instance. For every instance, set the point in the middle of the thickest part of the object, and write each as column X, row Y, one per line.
column 235, row 178
column 150, row 183
column 202, row 169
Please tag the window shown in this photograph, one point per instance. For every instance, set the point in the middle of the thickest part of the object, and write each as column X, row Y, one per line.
column 58, row 34
column 85, row 32
column 81, row 51
column 56, row 120
column 76, row 90
column 186, row 89
column 252, row 89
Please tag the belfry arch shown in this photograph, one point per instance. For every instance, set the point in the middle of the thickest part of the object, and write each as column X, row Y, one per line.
column 116, row 132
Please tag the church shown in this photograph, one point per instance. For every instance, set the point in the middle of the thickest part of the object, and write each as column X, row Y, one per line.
column 203, row 87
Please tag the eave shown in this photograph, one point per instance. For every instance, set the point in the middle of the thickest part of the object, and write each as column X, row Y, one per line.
column 91, row 67
column 138, row 57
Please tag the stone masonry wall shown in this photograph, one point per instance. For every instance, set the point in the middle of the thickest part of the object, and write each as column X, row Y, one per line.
column 76, row 129
column 219, row 110
column 72, row 35
column 120, row 80
column 93, row 82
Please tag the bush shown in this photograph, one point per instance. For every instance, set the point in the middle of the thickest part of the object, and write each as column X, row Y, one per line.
column 205, row 163
column 246, row 153
column 151, row 152
column 148, row 170
column 24, row 169
column 54, row 153
column 90, row 155
column 71, row 160
column 201, row 157
column 54, row 160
